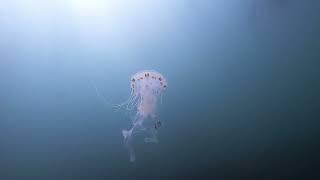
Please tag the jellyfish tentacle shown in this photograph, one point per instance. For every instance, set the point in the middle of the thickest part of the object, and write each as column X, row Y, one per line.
column 131, row 104
column 135, row 104
column 153, row 136
column 125, row 103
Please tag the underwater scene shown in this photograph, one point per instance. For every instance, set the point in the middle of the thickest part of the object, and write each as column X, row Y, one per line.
column 159, row 89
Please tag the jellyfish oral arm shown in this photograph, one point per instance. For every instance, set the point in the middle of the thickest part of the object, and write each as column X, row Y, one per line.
column 137, row 127
column 127, row 135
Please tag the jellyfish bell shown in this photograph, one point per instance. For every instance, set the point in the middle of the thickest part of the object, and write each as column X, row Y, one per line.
column 147, row 88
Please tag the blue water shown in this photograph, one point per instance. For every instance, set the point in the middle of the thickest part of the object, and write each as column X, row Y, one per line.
column 242, row 98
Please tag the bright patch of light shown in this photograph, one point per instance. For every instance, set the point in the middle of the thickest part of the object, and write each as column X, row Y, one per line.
column 122, row 25
column 97, row 8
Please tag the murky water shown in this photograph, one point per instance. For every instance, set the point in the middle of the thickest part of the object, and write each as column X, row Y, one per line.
column 241, row 101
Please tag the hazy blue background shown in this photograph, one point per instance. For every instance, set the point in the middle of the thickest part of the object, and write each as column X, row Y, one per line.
column 242, row 99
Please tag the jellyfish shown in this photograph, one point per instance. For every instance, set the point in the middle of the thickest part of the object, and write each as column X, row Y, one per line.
column 147, row 88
